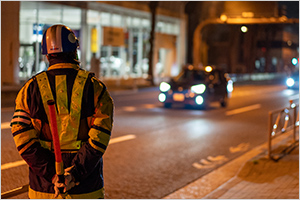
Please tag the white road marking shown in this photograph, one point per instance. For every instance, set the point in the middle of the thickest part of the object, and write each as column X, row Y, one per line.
column 121, row 139
column 210, row 162
column 13, row 164
column 219, row 158
column 244, row 109
column 149, row 106
column 205, row 162
column 22, row 162
column 130, row 108
column 240, row 147
column 135, row 108
column 5, row 125
column 199, row 166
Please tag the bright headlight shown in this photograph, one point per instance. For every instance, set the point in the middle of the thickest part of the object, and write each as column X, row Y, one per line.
column 162, row 97
column 230, row 86
column 164, row 87
column 198, row 89
column 290, row 82
column 199, row 100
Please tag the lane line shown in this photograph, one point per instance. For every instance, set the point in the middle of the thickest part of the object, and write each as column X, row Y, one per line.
column 22, row 162
column 5, row 125
column 244, row 109
column 121, row 139
column 130, row 108
column 13, row 164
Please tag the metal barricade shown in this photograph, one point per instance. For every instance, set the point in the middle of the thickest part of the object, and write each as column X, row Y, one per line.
column 281, row 121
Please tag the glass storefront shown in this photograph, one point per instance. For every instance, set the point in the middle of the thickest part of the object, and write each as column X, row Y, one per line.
column 120, row 40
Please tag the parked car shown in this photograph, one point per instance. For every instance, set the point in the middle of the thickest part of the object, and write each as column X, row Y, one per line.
column 292, row 81
column 197, row 87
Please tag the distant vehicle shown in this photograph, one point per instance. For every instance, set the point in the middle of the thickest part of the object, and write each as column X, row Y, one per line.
column 197, row 88
column 292, row 81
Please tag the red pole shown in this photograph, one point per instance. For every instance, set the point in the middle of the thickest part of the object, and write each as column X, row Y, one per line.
column 59, row 165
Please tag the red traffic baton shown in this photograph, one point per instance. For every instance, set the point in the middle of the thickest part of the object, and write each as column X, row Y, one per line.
column 59, row 165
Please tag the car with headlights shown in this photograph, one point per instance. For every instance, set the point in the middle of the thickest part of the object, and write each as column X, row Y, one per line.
column 292, row 81
column 196, row 87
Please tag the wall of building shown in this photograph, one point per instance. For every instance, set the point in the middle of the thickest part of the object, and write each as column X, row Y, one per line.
column 9, row 42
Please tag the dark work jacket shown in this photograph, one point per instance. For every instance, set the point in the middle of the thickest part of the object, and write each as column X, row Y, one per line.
column 30, row 127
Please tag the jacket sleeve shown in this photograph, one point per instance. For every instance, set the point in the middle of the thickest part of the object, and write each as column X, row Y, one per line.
column 25, row 134
column 99, row 134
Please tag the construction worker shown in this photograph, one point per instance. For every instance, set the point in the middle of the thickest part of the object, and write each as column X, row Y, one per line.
column 84, row 113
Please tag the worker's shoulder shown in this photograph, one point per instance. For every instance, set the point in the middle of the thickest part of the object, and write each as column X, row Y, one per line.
column 95, row 80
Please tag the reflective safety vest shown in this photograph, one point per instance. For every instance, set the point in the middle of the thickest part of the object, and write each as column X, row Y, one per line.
column 67, row 121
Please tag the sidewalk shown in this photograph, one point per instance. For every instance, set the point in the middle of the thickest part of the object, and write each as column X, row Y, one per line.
column 251, row 176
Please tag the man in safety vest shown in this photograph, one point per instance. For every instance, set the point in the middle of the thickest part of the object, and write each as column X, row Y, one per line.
column 84, row 113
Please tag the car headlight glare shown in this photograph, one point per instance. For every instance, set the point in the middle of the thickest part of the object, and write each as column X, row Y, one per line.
column 162, row 97
column 230, row 86
column 290, row 82
column 199, row 100
column 164, row 87
column 198, row 89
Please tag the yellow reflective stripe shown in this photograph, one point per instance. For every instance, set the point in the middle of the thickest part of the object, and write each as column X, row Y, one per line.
column 76, row 99
column 62, row 107
column 73, row 145
column 95, row 146
column 45, row 90
column 61, row 94
column 97, row 89
column 65, row 148
column 103, row 121
column 27, row 145
column 99, row 136
column 23, row 138
column 98, row 194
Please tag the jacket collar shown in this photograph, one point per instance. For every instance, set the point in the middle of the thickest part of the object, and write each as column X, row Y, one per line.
column 63, row 66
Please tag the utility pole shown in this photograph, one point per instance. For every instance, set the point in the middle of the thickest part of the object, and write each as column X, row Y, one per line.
column 152, row 5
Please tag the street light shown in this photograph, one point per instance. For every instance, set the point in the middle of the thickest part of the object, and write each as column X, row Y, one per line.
column 197, row 38
column 244, row 29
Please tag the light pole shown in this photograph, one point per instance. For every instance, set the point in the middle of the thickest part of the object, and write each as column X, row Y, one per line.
column 197, row 39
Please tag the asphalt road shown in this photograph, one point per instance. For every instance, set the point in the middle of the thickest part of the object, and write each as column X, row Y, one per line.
column 155, row 151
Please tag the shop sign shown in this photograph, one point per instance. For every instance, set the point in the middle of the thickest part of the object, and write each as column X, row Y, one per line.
column 39, row 28
column 94, row 40
column 113, row 36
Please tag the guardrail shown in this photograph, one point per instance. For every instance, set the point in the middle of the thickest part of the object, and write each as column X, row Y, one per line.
column 281, row 121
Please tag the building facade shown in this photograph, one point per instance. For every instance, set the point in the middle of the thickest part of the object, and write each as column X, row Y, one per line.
column 116, row 32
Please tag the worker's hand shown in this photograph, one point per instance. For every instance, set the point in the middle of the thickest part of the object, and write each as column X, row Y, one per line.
column 69, row 179
column 57, row 185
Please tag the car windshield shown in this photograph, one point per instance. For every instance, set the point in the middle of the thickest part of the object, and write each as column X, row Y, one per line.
column 191, row 75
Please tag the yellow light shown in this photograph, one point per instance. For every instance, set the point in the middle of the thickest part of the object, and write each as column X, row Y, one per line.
column 190, row 67
column 208, row 68
column 94, row 40
column 223, row 18
column 244, row 29
column 248, row 14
